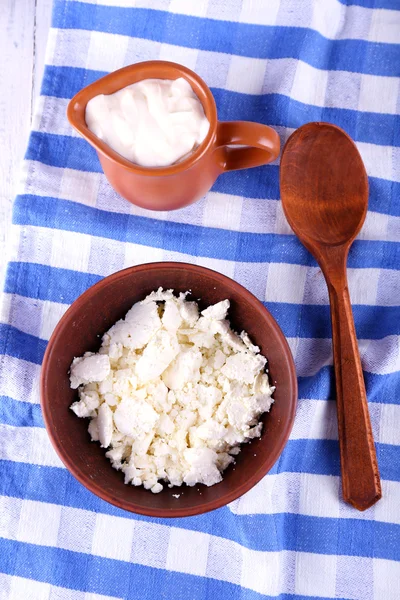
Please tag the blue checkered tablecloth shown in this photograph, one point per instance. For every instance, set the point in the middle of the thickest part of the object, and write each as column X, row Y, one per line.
column 280, row 62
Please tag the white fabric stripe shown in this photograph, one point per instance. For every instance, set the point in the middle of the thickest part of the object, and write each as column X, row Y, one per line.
column 37, row 113
column 315, row 294
column 225, row 211
column 180, row 55
column 32, row 529
column 268, row 567
column 379, row 161
column 15, row 588
column 385, row 26
column 377, row 356
column 28, row 445
column 51, row 313
column 315, row 574
column 5, row 308
column 376, row 227
column 389, row 432
column 136, row 254
column 272, row 496
column 18, row 588
column 113, row 538
column 315, row 495
column 194, row 8
column 381, row 356
column 287, row 76
column 188, row 559
column 386, row 572
column 11, row 252
column 46, row 182
column 131, row 254
column 344, row 22
column 319, row 494
column 387, row 509
column 77, row 186
column 315, row 419
column 173, row 548
column 22, row 381
column 373, row 89
column 369, row 286
column 63, row 250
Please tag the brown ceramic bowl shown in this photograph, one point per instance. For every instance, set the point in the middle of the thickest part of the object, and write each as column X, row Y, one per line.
column 184, row 182
column 80, row 330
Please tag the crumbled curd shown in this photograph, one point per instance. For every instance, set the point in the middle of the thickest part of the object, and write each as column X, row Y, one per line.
column 172, row 393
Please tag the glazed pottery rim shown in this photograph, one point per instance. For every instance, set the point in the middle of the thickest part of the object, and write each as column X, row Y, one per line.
column 95, row 488
column 90, row 91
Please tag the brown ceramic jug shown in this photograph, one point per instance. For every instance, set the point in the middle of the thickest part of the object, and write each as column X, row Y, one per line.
column 184, row 182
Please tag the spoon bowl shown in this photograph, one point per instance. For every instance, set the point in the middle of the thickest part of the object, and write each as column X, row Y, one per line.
column 324, row 191
column 331, row 208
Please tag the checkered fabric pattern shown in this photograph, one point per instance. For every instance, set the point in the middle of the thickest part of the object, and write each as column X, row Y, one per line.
column 280, row 62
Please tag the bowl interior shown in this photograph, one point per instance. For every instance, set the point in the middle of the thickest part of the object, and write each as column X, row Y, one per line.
column 81, row 329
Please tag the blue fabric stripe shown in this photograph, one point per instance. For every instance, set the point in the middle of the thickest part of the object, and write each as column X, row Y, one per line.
column 313, row 321
column 14, row 342
column 231, row 38
column 382, row 389
column 280, row 110
column 389, row 4
column 109, row 577
column 352, row 537
column 383, row 196
column 62, row 151
column 65, row 82
column 321, row 386
column 274, row 109
column 42, row 282
column 75, row 153
column 76, row 570
column 321, row 457
column 20, row 414
column 238, row 246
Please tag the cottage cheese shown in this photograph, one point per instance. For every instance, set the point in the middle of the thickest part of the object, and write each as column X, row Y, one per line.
column 172, row 393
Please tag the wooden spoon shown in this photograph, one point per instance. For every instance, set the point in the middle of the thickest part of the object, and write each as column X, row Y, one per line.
column 324, row 191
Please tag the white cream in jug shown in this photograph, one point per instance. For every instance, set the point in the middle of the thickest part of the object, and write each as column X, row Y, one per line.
column 153, row 123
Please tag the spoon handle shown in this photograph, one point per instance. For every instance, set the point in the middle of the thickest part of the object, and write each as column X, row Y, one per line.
column 360, row 474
